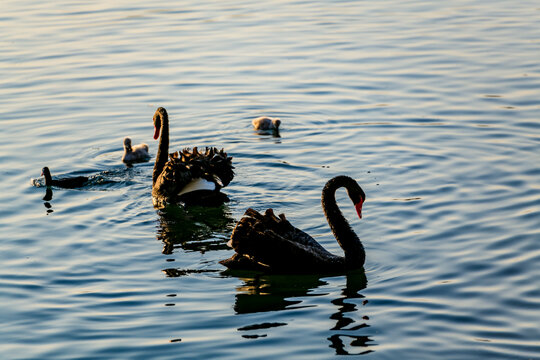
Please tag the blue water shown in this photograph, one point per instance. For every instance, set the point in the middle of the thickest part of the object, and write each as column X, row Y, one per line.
column 433, row 107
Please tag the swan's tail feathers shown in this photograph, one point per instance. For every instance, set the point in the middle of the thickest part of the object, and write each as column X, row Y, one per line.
column 254, row 226
column 221, row 165
column 242, row 232
column 253, row 213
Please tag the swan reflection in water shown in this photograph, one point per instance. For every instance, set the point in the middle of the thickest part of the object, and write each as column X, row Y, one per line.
column 194, row 228
column 48, row 197
column 283, row 292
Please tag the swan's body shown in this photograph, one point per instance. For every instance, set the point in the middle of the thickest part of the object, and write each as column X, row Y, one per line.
column 134, row 153
column 266, row 123
column 67, row 183
column 271, row 244
column 189, row 176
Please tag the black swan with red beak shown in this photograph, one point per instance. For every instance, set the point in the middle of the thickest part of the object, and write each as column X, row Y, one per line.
column 271, row 244
column 188, row 176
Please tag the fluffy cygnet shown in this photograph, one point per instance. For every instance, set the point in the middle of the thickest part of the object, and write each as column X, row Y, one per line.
column 134, row 153
column 266, row 123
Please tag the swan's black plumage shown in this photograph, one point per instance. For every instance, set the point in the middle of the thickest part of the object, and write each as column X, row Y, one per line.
column 271, row 244
column 67, row 183
column 173, row 172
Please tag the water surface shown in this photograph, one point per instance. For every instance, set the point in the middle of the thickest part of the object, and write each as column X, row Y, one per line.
column 433, row 107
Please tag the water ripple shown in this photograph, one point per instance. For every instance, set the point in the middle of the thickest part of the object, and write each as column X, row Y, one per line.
column 433, row 109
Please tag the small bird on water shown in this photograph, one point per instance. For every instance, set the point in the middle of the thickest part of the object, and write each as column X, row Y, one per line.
column 135, row 152
column 266, row 123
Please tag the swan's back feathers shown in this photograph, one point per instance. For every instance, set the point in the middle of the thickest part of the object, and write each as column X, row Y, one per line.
column 207, row 165
column 70, row 183
column 253, row 221
column 271, row 242
column 173, row 178
column 188, row 164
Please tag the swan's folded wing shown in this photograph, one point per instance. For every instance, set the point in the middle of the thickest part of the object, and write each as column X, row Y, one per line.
column 171, row 181
column 274, row 243
column 271, row 251
column 281, row 226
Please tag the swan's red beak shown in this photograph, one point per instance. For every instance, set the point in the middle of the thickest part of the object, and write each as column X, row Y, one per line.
column 358, row 207
column 156, row 132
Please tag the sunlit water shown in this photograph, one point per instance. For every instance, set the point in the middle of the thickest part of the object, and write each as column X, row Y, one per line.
column 434, row 107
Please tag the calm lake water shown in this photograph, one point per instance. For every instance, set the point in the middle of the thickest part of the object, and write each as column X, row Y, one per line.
column 434, row 107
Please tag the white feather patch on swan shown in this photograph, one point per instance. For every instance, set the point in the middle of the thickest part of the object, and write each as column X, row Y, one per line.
column 198, row 184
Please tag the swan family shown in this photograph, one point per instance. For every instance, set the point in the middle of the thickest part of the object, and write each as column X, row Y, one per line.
column 262, row 242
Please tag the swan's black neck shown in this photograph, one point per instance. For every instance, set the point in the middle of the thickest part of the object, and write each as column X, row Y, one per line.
column 163, row 147
column 345, row 236
column 47, row 175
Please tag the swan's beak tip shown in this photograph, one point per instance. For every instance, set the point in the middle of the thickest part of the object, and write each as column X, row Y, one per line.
column 358, row 208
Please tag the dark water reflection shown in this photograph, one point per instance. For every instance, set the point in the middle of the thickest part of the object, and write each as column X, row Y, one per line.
column 275, row 133
column 194, row 228
column 265, row 293
column 48, row 197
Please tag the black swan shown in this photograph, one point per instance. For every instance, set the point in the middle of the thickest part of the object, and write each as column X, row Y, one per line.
column 189, row 176
column 266, row 123
column 134, row 153
column 271, row 244
column 68, row 183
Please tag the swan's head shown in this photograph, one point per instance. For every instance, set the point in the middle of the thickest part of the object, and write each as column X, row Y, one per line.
column 356, row 194
column 159, row 115
column 276, row 123
column 127, row 143
column 358, row 207
column 358, row 197
column 45, row 172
